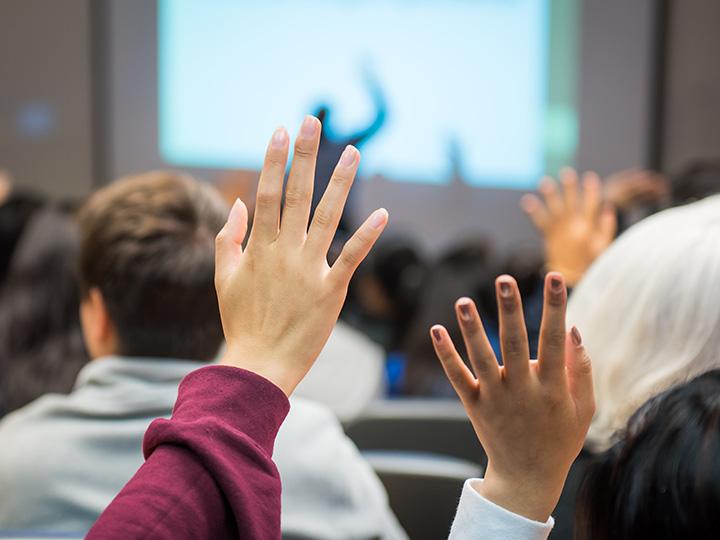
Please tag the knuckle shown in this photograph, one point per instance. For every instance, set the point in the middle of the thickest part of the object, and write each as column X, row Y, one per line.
column 303, row 150
column 513, row 343
column 266, row 198
column 295, row 197
column 323, row 218
column 555, row 338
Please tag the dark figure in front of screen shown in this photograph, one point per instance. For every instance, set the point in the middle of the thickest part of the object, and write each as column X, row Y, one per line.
column 332, row 145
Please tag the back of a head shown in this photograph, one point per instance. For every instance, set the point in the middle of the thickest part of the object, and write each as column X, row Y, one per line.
column 661, row 479
column 148, row 245
column 41, row 345
column 649, row 312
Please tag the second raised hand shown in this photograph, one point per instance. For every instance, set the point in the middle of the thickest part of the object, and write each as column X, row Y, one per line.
column 531, row 417
column 279, row 299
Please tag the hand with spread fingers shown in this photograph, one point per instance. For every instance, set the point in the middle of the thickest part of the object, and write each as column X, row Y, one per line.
column 530, row 416
column 279, row 299
column 575, row 224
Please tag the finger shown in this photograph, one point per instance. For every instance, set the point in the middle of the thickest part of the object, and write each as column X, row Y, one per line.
column 269, row 192
column 535, row 210
column 551, row 347
column 513, row 335
column 608, row 224
column 592, row 195
column 480, row 352
column 329, row 211
column 553, row 201
column 579, row 370
column 357, row 248
column 569, row 180
column 228, row 242
column 457, row 372
column 299, row 190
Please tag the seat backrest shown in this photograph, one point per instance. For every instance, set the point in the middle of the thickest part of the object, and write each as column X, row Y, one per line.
column 417, row 425
column 423, row 489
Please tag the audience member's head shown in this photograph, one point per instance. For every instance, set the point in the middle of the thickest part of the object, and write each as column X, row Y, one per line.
column 648, row 308
column 146, row 268
column 16, row 209
column 698, row 180
column 462, row 268
column 41, row 345
column 386, row 287
column 661, row 479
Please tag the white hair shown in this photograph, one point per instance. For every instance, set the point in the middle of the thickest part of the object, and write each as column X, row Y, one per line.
column 649, row 311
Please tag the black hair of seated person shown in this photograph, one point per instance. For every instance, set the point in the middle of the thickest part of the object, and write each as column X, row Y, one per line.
column 383, row 296
column 661, row 479
column 41, row 344
column 147, row 243
column 460, row 271
column 697, row 180
column 15, row 213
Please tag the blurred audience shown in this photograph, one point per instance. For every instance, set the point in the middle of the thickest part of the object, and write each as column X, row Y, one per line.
column 41, row 344
column 150, row 316
column 648, row 307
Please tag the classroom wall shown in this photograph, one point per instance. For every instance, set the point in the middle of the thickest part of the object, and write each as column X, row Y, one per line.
column 45, row 95
column 692, row 83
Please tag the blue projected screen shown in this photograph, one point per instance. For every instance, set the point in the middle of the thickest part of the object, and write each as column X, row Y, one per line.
column 431, row 89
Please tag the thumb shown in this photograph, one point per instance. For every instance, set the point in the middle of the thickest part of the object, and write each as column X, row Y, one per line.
column 579, row 371
column 228, row 243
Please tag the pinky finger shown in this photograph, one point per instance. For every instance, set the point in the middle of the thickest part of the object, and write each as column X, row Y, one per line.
column 357, row 248
column 457, row 372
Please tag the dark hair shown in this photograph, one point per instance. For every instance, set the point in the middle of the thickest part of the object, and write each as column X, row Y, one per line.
column 661, row 480
column 41, row 344
column 14, row 215
column 148, row 245
column 696, row 181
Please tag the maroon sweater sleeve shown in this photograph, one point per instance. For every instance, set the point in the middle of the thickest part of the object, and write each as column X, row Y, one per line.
column 208, row 471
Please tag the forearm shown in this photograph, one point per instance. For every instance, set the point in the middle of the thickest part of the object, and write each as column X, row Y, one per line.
column 478, row 517
column 209, row 471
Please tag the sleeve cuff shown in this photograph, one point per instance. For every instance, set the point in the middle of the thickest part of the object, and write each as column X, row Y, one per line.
column 477, row 517
column 234, row 396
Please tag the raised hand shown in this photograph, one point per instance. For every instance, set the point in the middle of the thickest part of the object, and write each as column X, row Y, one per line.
column 279, row 299
column 575, row 224
column 530, row 416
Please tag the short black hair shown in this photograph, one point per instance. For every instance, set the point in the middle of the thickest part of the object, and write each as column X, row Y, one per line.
column 661, row 480
column 148, row 244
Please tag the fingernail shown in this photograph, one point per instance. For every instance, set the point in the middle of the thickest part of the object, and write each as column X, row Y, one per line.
column 348, row 156
column 309, row 127
column 556, row 284
column 505, row 289
column 436, row 334
column 379, row 218
column 465, row 311
column 575, row 336
column 279, row 138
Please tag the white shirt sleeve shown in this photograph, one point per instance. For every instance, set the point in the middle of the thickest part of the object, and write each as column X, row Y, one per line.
column 477, row 517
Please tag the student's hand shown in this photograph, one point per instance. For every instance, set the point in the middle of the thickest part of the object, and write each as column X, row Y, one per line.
column 531, row 417
column 632, row 187
column 576, row 226
column 279, row 299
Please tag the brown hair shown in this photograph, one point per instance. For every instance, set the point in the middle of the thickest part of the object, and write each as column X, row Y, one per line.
column 147, row 243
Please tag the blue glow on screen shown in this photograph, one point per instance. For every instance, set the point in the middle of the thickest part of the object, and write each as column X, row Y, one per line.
column 463, row 82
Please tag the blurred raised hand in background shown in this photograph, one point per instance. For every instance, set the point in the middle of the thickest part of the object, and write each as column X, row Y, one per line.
column 575, row 223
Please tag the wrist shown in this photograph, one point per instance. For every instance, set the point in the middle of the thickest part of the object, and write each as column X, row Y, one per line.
column 269, row 367
column 531, row 496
